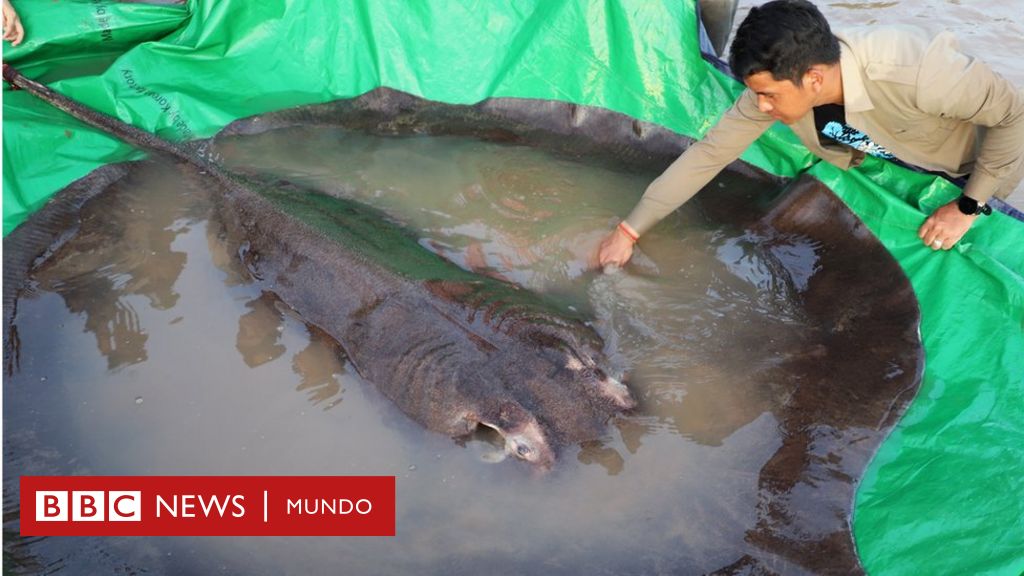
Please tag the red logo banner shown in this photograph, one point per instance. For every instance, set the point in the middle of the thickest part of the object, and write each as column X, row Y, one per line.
column 208, row 505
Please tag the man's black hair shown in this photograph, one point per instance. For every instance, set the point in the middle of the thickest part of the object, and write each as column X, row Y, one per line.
column 784, row 37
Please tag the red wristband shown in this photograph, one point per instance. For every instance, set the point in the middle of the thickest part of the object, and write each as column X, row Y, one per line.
column 630, row 235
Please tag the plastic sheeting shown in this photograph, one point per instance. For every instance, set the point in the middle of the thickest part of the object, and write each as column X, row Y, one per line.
column 944, row 492
column 230, row 60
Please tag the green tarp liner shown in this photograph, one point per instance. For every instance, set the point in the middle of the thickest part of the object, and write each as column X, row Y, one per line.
column 944, row 495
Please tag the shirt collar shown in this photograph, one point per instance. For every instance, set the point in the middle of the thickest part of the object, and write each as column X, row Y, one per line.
column 855, row 96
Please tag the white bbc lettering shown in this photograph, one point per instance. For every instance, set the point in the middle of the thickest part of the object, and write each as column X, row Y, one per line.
column 124, row 506
column 51, row 506
column 87, row 506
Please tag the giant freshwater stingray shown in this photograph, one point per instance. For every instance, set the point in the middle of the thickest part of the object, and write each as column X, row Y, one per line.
column 845, row 390
column 473, row 351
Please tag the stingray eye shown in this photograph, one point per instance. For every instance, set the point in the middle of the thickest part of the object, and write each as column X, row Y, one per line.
column 575, row 364
column 545, row 340
column 585, row 372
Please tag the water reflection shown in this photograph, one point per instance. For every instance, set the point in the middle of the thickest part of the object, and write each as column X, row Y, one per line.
column 318, row 365
column 103, row 289
column 109, row 316
column 606, row 456
column 259, row 331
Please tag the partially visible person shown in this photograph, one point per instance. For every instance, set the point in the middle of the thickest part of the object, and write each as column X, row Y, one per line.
column 893, row 92
column 14, row 32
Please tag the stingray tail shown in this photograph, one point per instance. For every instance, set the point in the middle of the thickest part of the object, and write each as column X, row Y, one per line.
column 126, row 132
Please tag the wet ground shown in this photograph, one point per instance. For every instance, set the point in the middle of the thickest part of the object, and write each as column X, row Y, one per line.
column 145, row 350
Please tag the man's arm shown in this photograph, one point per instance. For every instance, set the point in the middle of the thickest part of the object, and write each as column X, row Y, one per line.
column 737, row 129
column 954, row 85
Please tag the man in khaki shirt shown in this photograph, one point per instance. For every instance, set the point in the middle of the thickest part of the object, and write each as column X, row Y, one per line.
column 893, row 92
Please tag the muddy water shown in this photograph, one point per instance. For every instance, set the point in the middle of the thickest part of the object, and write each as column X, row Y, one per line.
column 144, row 350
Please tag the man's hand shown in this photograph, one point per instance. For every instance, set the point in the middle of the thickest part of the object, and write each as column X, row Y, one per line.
column 945, row 227
column 13, row 31
column 616, row 248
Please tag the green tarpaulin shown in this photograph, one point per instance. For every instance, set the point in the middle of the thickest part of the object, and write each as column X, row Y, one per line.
column 945, row 493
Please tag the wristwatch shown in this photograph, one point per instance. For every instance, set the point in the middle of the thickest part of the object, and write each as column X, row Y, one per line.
column 972, row 207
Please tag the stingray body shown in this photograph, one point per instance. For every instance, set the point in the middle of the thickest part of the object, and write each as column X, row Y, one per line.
column 452, row 349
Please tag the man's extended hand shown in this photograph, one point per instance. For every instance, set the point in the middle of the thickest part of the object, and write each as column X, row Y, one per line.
column 13, row 30
column 616, row 249
column 945, row 227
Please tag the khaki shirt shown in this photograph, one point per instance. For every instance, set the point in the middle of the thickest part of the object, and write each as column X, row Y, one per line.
column 918, row 96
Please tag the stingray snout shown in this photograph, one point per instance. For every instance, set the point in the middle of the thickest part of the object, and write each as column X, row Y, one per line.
column 617, row 392
column 523, row 435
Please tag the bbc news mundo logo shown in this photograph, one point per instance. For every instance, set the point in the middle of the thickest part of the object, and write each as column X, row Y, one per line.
column 208, row 505
column 88, row 506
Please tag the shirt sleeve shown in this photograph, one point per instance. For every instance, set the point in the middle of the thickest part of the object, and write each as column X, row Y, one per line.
column 702, row 161
column 955, row 85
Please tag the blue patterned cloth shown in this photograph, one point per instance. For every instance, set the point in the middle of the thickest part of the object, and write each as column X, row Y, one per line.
column 855, row 139
column 830, row 120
